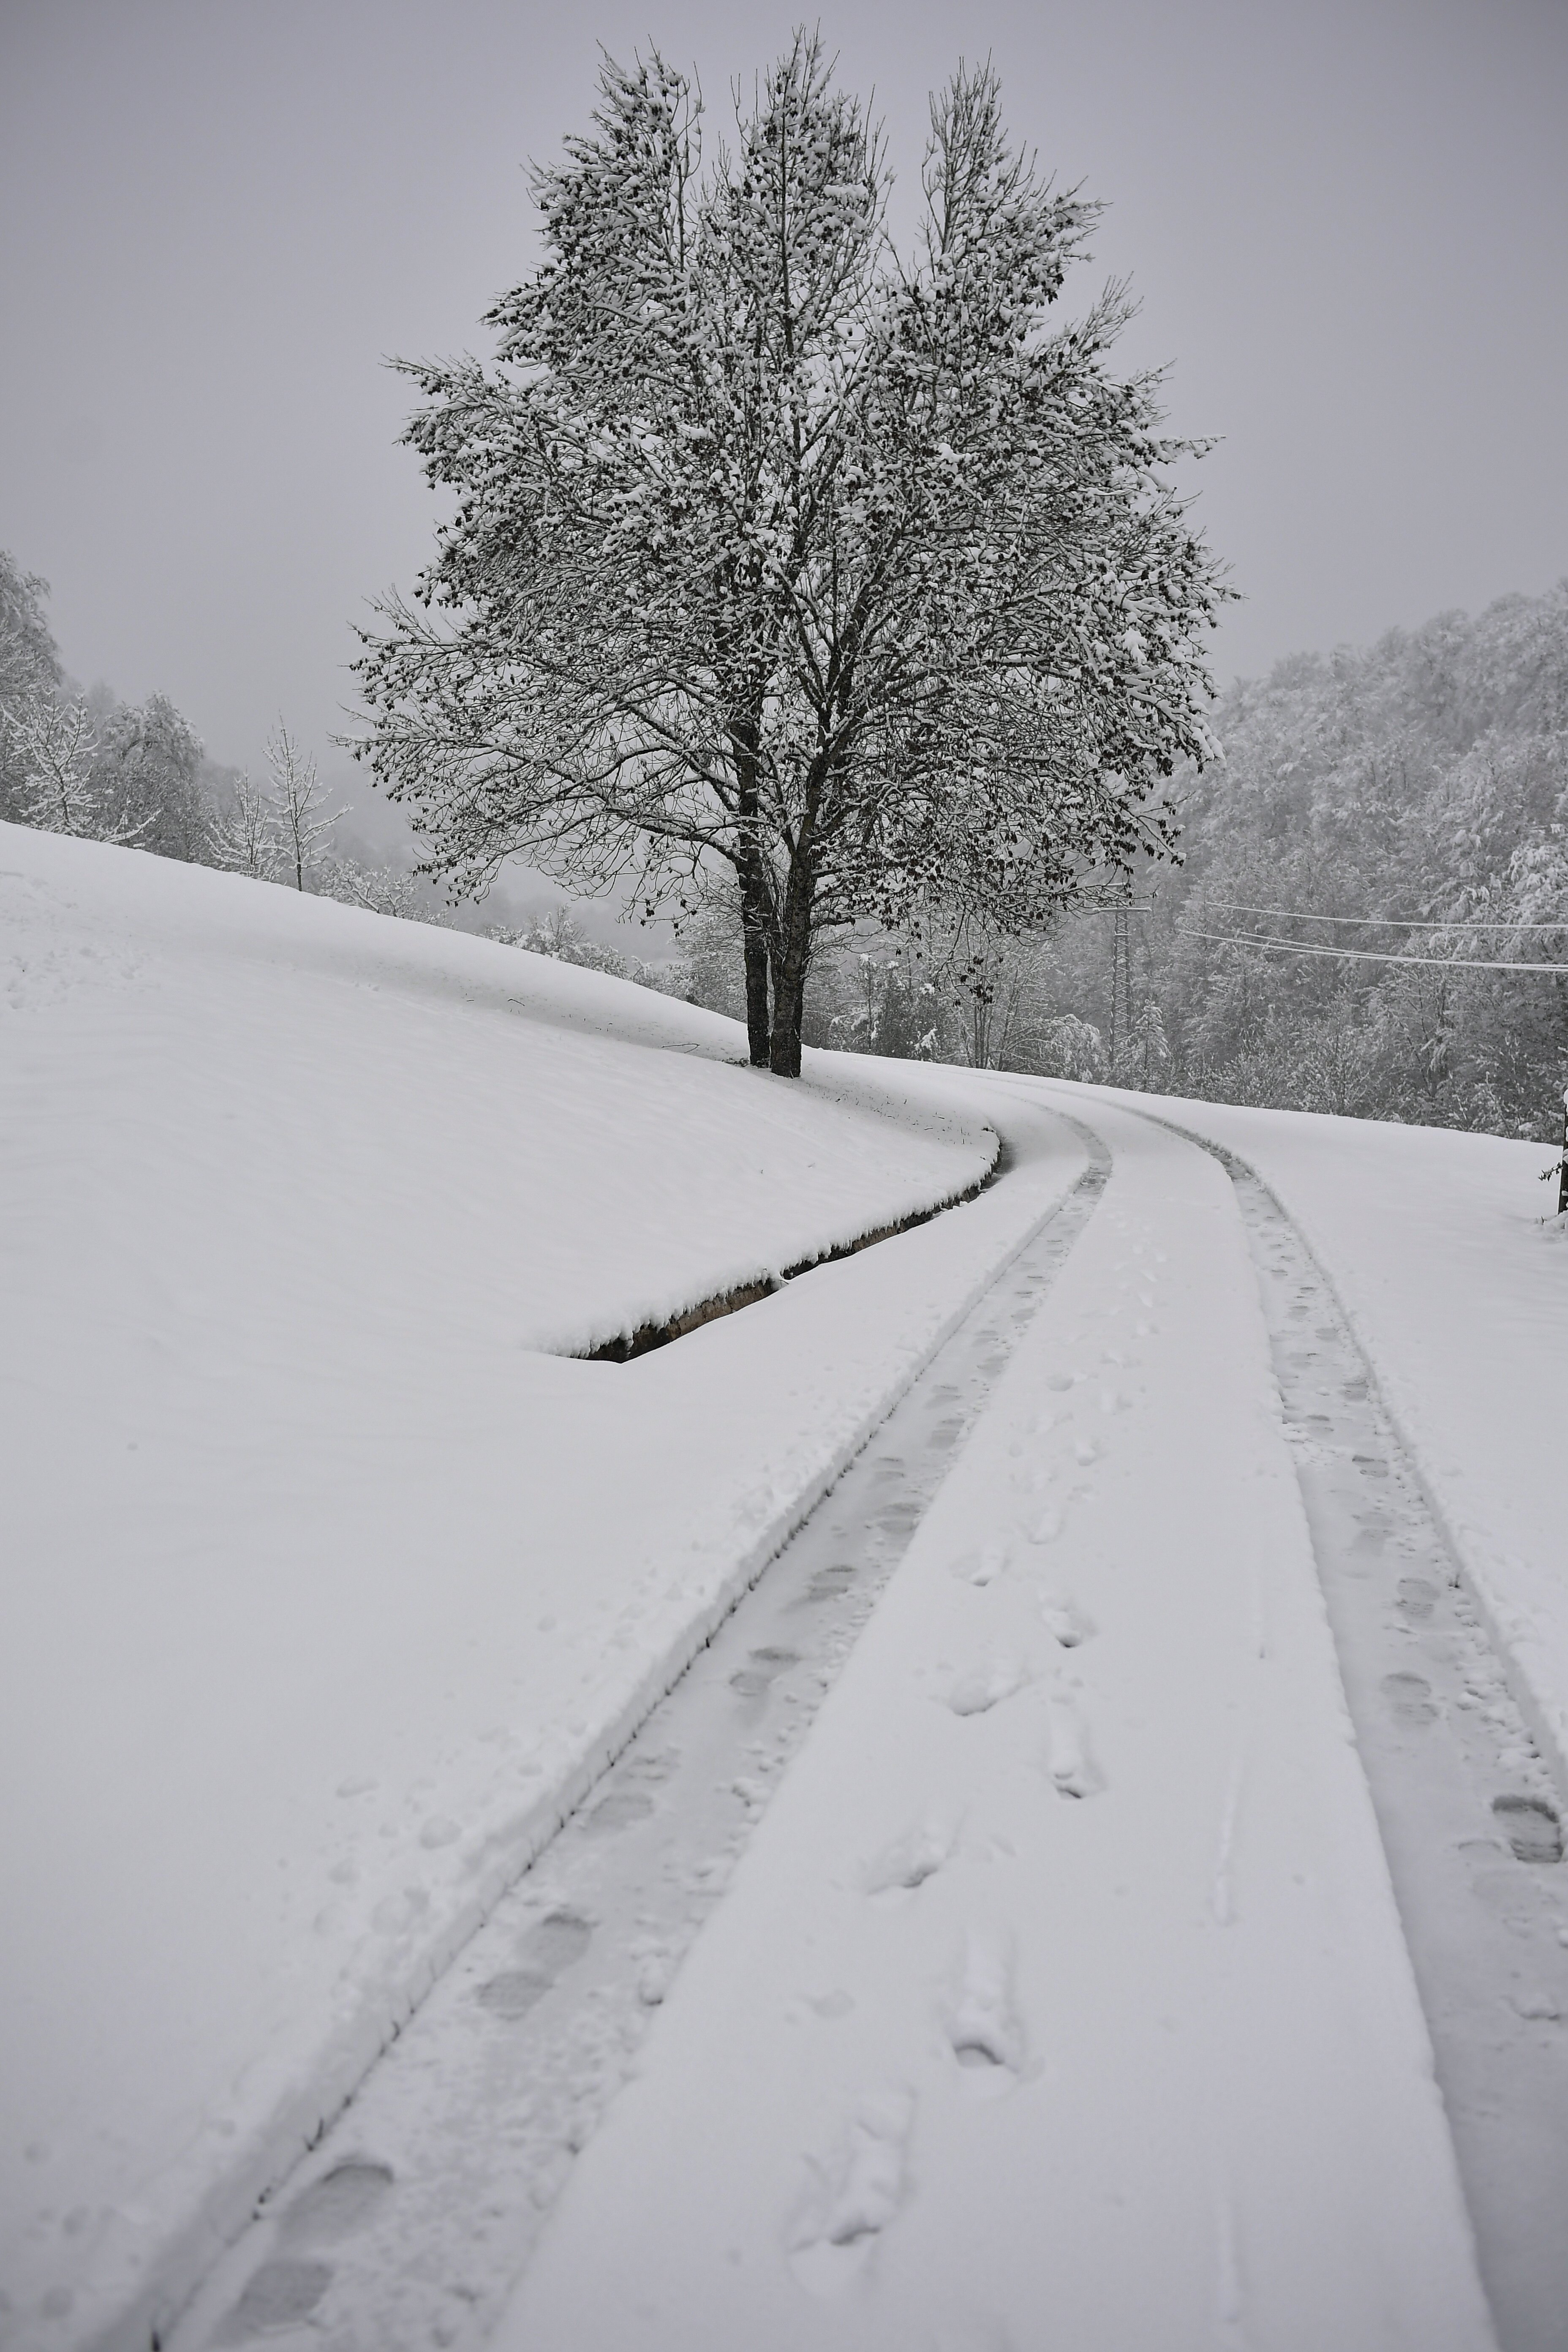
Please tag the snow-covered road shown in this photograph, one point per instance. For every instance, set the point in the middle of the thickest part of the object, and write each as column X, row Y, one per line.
column 1059, row 1992
column 1061, row 1995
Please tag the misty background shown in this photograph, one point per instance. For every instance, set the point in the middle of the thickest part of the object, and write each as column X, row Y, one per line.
column 1346, row 225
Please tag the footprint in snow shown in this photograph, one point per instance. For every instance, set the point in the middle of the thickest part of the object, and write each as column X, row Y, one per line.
column 1410, row 1696
column 828, row 1584
column 339, row 2202
column 982, row 1565
column 914, row 1858
column 981, row 2023
column 1534, row 1828
column 1072, row 1768
column 761, row 1668
column 281, row 2293
column 852, row 2197
column 550, row 1947
column 1065, row 1621
column 985, row 1685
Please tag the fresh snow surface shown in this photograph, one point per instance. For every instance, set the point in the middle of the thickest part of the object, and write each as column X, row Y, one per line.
column 331, row 1586
column 409, row 2223
column 1453, row 1271
column 1060, row 1997
column 1059, row 1994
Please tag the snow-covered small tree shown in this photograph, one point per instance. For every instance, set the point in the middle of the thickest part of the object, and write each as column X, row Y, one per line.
column 54, row 744
column 381, row 889
column 298, row 804
column 776, row 550
column 1070, row 1048
column 1145, row 1052
column 56, row 752
column 245, row 836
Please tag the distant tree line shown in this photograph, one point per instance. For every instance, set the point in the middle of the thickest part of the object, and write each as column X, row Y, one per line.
column 1421, row 782
column 136, row 774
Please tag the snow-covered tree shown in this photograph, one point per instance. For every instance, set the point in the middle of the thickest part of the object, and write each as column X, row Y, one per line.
column 1144, row 1052
column 381, row 890
column 1071, row 1048
column 776, row 552
column 245, row 837
column 57, row 753
column 29, row 669
column 148, row 774
column 297, row 805
column 54, row 745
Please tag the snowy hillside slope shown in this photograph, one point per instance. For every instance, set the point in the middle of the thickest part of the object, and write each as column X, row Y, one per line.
column 329, row 1584
column 365, row 1108
column 1454, row 1273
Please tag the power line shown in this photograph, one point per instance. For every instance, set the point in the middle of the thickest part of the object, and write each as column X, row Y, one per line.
column 1384, row 922
column 1363, row 955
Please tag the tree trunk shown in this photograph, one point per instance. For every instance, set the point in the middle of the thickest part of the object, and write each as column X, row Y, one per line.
column 790, row 965
column 756, row 925
column 754, row 938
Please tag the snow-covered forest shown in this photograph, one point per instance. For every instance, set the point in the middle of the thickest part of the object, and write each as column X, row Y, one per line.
column 1410, row 799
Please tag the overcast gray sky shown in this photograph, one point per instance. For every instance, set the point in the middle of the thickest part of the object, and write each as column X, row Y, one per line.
column 1347, row 221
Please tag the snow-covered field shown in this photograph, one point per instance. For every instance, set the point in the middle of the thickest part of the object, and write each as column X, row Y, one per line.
column 1060, row 1991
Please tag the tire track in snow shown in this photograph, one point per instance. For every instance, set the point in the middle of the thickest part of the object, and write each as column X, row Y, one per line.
column 1469, row 1817
column 410, row 2221
column 965, row 2053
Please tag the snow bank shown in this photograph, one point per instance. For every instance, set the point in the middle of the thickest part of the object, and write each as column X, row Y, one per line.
column 332, row 1586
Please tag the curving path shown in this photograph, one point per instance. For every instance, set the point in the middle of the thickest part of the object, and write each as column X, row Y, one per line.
column 1061, row 1996
column 1071, row 1954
